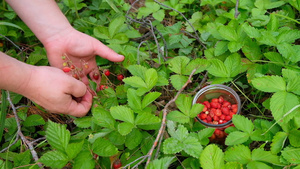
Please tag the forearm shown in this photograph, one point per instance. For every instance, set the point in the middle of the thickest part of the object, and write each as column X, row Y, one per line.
column 43, row 17
column 14, row 74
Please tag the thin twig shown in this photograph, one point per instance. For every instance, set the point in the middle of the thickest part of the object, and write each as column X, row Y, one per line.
column 19, row 132
column 138, row 51
column 236, row 14
column 165, row 112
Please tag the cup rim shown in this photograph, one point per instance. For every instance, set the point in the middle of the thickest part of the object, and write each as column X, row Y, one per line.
column 217, row 86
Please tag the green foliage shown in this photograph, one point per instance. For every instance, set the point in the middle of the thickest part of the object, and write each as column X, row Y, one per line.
column 255, row 47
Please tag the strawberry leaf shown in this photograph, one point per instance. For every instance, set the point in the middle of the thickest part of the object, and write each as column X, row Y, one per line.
column 54, row 159
column 103, row 147
column 122, row 113
column 239, row 153
column 57, row 136
column 212, row 157
column 269, row 83
column 278, row 142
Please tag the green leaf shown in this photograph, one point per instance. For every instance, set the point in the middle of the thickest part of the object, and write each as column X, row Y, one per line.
column 274, row 57
column 149, row 98
column 172, row 146
column 151, row 78
column 195, row 110
column 228, row 33
column 293, row 80
column 101, row 32
column 199, row 64
column 294, row 136
column 239, row 153
column 83, row 122
column 146, row 118
column 278, row 142
column 162, row 163
column 251, row 31
column 281, row 103
column 217, row 68
column 116, row 138
column 181, row 133
column 34, row 120
column 21, row 159
column 192, row 147
column 115, row 25
column 103, row 147
column 133, row 139
column 11, row 24
column 233, row 64
column 178, row 64
column 57, row 136
column 233, row 165
column 243, row 123
column 290, row 52
column 204, row 135
column 269, row 83
column 221, row 48
column 125, row 128
column 73, row 149
column 178, row 81
column 273, row 23
column 288, row 35
column 234, row 46
column 137, row 70
column 103, row 118
column 159, row 15
column 178, row 117
column 236, row 137
column 54, row 159
column 134, row 101
column 292, row 155
column 135, row 81
column 265, row 156
column 212, row 157
column 122, row 113
column 258, row 165
column 251, row 50
column 84, row 160
column 184, row 103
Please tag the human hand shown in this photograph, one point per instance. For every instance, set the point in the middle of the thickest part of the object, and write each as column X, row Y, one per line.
column 80, row 49
column 57, row 92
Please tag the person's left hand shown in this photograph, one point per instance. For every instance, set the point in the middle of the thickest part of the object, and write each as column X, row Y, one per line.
column 81, row 50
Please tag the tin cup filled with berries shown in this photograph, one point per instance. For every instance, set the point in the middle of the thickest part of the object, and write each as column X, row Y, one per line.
column 220, row 104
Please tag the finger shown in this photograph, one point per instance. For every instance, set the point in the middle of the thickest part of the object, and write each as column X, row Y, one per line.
column 107, row 53
column 76, row 88
column 79, row 109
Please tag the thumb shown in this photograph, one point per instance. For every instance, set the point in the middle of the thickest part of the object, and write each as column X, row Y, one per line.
column 106, row 52
column 76, row 88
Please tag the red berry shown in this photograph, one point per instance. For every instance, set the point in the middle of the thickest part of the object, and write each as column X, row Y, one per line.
column 205, row 121
column 72, row 67
column 225, row 110
column 221, row 99
column 215, row 122
column 215, row 105
column 203, row 116
column 226, row 104
column 120, row 77
column 102, row 87
column 216, row 118
column 227, row 118
column 209, row 119
column 117, row 164
column 107, row 73
column 218, row 112
column 66, row 69
column 204, row 109
column 96, row 76
column 207, row 104
column 222, row 117
column 215, row 100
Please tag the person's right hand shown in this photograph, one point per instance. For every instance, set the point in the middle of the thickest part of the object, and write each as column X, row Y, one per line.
column 57, row 92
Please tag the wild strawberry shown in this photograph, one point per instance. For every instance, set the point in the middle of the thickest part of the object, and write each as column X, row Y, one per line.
column 209, row 119
column 215, row 100
column 213, row 136
column 205, row 121
column 66, row 69
column 96, row 76
column 227, row 118
column 215, row 105
column 204, row 109
column 72, row 67
column 216, row 118
column 215, row 122
column 117, row 164
column 221, row 121
column 226, row 104
column 207, row 104
column 107, row 72
column 120, row 77
column 225, row 110
column 203, row 116
column 102, row 87
column 221, row 99
column 222, row 117
column 218, row 112
column 76, row 76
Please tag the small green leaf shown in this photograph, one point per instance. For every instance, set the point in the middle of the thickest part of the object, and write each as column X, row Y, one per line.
column 103, row 118
column 258, row 165
column 251, row 50
column 73, row 149
column 134, row 101
column 233, row 64
column 236, row 137
column 290, row 52
column 135, row 81
column 21, row 159
column 233, row 165
column 243, row 123
column 116, row 138
column 162, row 163
column 269, row 83
column 115, row 25
column 184, row 103
column 291, row 155
column 125, row 128
column 217, row 68
column 172, row 146
column 204, row 135
column 221, row 48
column 234, row 46
column 54, row 159
column 137, row 70
column 273, row 23
column 84, row 160
column 34, row 120
column 133, row 139
column 228, row 33
column 251, row 31
column 195, row 110
column 122, row 113
column 192, row 147
column 149, row 98
column 10, row 24
column 199, row 64
column 281, row 103
column 239, row 153
column 181, row 133
column 146, row 118
column 178, row 117
column 265, row 156
column 151, row 78
column 294, row 136
column 57, row 136
column 178, row 81
column 83, row 122
column 178, row 64
column 212, row 157
column 159, row 15
column 278, row 142
column 103, row 147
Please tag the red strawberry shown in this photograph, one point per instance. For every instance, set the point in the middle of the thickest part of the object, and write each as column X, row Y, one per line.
column 66, row 69
column 120, row 77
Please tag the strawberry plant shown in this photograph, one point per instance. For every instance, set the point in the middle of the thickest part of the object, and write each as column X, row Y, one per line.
column 143, row 114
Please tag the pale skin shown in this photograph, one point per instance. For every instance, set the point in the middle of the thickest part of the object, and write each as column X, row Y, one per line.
column 50, row 87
